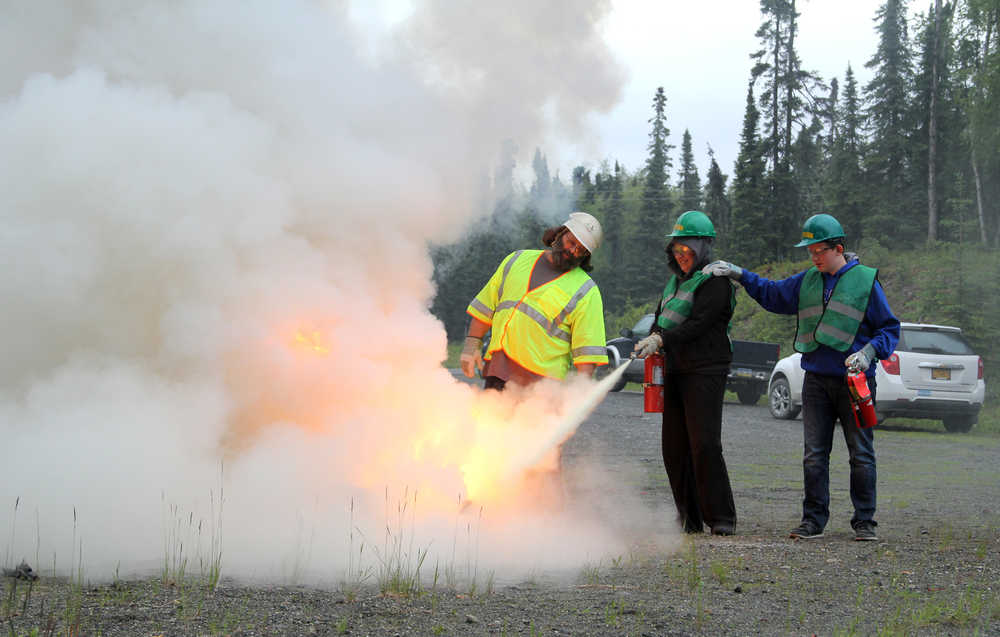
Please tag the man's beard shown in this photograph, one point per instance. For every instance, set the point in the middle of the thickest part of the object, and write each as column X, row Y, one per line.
column 564, row 261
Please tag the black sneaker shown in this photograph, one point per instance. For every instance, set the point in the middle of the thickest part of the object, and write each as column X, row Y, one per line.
column 806, row 531
column 864, row 531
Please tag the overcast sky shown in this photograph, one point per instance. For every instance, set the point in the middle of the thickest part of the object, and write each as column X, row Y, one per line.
column 700, row 53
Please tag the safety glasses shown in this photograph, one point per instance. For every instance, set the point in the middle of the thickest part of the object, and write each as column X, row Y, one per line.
column 681, row 250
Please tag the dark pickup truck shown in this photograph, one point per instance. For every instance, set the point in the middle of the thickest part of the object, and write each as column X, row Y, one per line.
column 748, row 374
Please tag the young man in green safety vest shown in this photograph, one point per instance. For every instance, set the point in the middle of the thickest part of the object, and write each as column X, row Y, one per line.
column 544, row 311
column 844, row 323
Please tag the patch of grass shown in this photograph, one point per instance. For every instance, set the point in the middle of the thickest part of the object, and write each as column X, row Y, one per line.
column 987, row 426
column 399, row 562
column 989, row 421
column 184, row 543
column 720, row 572
column 212, row 567
column 613, row 612
column 972, row 610
column 591, row 575
column 357, row 573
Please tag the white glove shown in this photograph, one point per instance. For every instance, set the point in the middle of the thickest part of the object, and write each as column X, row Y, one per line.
column 649, row 345
column 471, row 359
column 860, row 360
column 723, row 268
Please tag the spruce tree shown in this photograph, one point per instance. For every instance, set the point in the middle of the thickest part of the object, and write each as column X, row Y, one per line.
column 583, row 188
column 979, row 56
column 892, row 216
column 646, row 260
column 689, row 182
column 612, row 253
column 808, row 168
column 844, row 188
column 750, row 236
column 941, row 164
column 786, row 98
column 717, row 204
column 543, row 181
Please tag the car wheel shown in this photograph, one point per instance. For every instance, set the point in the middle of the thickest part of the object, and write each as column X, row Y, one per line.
column 959, row 424
column 620, row 385
column 614, row 360
column 602, row 372
column 779, row 400
column 748, row 395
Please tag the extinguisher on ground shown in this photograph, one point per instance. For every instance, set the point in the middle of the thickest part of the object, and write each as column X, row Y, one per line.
column 861, row 400
column 653, row 384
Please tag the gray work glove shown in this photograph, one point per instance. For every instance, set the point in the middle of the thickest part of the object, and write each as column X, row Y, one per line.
column 471, row 359
column 861, row 360
column 649, row 345
column 723, row 268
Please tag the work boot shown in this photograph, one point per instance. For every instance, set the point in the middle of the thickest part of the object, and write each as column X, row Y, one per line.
column 864, row 531
column 808, row 530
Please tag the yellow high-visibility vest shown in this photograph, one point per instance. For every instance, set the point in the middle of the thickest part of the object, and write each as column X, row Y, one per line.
column 545, row 330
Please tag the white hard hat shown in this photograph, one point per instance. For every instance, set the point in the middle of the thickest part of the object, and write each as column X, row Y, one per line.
column 586, row 229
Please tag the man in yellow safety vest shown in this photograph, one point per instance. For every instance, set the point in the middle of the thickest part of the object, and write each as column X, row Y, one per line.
column 543, row 310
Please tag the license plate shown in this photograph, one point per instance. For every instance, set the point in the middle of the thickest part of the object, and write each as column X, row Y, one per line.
column 743, row 372
column 940, row 374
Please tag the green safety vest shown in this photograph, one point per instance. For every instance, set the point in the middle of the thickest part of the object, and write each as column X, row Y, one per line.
column 547, row 329
column 675, row 306
column 836, row 324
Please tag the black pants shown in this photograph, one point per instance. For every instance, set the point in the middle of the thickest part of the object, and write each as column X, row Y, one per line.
column 492, row 382
column 692, row 450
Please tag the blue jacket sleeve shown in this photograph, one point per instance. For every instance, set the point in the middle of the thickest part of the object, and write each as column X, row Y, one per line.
column 780, row 297
column 880, row 326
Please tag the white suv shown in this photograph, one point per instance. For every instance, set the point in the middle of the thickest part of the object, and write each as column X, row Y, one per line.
column 932, row 374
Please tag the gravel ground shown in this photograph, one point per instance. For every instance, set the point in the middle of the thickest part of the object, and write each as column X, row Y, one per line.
column 935, row 569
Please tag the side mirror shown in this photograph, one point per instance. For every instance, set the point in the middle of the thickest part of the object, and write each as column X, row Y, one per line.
column 626, row 332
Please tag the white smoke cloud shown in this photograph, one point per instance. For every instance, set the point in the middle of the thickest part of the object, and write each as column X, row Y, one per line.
column 213, row 227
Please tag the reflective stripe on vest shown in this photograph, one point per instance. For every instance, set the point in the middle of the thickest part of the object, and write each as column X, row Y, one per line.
column 530, row 325
column 481, row 307
column 835, row 325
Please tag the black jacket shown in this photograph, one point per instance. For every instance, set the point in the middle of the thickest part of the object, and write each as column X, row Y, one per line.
column 701, row 343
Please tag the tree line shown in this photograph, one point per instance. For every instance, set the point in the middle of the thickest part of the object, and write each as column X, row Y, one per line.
column 911, row 159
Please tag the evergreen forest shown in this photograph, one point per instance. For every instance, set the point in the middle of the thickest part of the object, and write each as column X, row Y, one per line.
column 909, row 163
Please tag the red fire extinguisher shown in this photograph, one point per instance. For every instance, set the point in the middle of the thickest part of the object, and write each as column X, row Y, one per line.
column 653, row 384
column 861, row 400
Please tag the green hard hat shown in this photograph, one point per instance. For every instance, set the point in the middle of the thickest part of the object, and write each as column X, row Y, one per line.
column 693, row 223
column 818, row 228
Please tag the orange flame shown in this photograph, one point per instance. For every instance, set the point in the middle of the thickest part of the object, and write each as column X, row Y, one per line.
column 420, row 427
column 312, row 341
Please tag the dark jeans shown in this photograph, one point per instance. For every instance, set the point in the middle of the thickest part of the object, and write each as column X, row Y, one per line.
column 692, row 450
column 824, row 400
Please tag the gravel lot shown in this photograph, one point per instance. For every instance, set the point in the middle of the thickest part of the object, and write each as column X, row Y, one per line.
column 935, row 569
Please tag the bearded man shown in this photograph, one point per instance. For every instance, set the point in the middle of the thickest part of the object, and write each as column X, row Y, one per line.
column 543, row 311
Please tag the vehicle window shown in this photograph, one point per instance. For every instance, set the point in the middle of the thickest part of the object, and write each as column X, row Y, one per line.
column 933, row 342
column 643, row 326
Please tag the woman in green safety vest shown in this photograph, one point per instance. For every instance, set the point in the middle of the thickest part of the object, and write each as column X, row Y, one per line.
column 691, row 329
